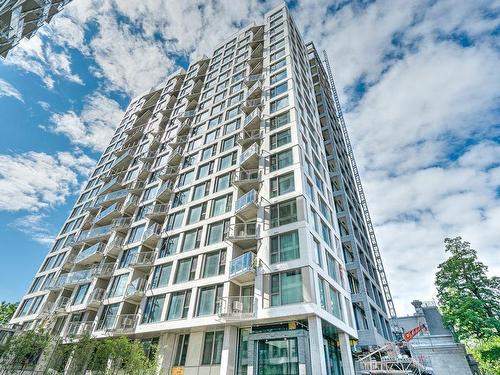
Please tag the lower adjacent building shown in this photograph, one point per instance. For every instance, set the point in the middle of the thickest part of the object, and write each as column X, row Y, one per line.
column 209, row 226
column 435, row 344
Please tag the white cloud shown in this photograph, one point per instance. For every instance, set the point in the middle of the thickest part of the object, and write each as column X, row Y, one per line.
column 35, row 180
column 6, row 89
column 93, row 127
column 36, row 226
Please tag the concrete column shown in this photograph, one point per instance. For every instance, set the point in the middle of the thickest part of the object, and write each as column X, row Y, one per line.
column 318, row 361
column 228, row 364
column 166, row 349
column 345, row 353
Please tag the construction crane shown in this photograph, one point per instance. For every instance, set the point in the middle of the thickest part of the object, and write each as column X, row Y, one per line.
column 361, row 194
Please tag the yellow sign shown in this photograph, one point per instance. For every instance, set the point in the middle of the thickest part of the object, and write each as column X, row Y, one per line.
column 292, row 325
column 177, row 371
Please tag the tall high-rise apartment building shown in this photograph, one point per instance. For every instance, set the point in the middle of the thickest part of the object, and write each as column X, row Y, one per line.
column 209, row 225
column 22, row 18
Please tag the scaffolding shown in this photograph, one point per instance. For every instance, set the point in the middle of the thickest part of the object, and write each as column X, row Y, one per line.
column 361, row 194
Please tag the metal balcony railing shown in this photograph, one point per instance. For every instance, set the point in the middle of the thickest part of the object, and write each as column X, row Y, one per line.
column 96, row 297
column 76, row 329
column 125, row 323
column 236, row 307
column 121, row 223
column 61, row 304
column 144, row 259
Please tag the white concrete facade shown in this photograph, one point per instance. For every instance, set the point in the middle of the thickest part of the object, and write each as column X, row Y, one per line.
column 208, row 226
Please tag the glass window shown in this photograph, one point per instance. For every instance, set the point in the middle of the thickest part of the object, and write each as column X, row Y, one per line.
column 283, row 213
column 186, row 270
column 136, row 233
column 232, row 112
column 227, row 143
column 179, row 305
column 221, row 205
column 210, row 137
column 281, row 160
column 322, row 294
column 161, row 275
column 216, row 232
column 207, row 301
column 205, row 169
column 181, row 350
column 80, row 294
column 180, row 198
column 278, row 90
column 169, row 246
column 118, row 284
column 197, row 213
column 222, row 182
column 281, row 138
column 108, row 316
column 201, row 190
column 153, row 308
column 279, row 104
column 286, row 288
column 278, row 77
column 212, row 348
column 232, row 126
column 175, row 220
column 282, row 184
column 277, row 65
column 192, row 239
column 228, row 160
column 284, row 247
column 128, row 256
column 280, row 120
column 335, row 305
column 215, row 263
column 208, row 152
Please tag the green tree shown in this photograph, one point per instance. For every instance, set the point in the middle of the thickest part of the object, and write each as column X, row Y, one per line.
column 487, row 353
column 468, row 298
column 7, row 310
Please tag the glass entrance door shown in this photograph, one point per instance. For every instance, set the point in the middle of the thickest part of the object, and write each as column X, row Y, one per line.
column 277, row 357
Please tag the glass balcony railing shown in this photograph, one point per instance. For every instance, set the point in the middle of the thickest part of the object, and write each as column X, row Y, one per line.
column 250, row 153
column 243, row 264
column 125, row 323
column 76, row 329
column 111, row 196
column 253, row 118
column 114, row 181
column 95, row 233
column 145, row 259
column 96, row 297
column 246, row 200
column 244, row 232
column 114, row 207
column 94, row 251
column 123, row 159
column 246, row 176
column 79, row 277
column 136, row 288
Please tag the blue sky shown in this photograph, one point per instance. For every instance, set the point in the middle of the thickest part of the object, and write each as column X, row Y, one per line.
column 418, row 80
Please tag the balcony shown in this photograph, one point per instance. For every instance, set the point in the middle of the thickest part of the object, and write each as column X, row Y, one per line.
column 136, row 187
column 186, row 115
column 236, row 308
column 251, row 104
column 244, row 235
column 158, row 212
column 58, row 283
column 79, row 277
column 111, row 197
column 152, row 235
column 135, row 290
column 123, row 161
column 143, row 260
column 121, row 224
column 252, row 121
column 144, row 170
column 168, row 172
column 178, row 140
column 103, row 270
column 135, row 134
column 125, row 323
column 96, row 297
column 61, row 304
column 247, row 205
column 107, row 214
column 250, row 157
column 251, row 79
column 242, row 268
column 78, row 329
column 96, row 234
column 175, row 156
column 91, row 254
column 112, row 183
column 249, row 136
column 165, row 192
column 130, row 204
column 114, row 247
column 247, row 180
